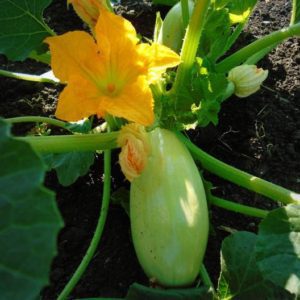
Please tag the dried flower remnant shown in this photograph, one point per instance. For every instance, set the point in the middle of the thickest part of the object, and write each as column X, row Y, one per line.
column 135, row 150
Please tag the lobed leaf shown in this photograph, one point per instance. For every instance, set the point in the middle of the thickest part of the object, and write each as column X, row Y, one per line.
column 219, row 34
column 278, row 248
column 29, row 220
column 22, row 28
column 240, row 276
column 70, row 166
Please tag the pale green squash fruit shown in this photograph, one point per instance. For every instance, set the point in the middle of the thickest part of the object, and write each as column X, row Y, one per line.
column 168, row 213
column 172, row 30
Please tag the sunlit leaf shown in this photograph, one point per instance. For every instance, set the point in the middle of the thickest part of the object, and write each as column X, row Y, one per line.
column 278, row 248
column 240, row 10
column 219, row 34
column 22, row 28
column 29, row 220
column 240, row 277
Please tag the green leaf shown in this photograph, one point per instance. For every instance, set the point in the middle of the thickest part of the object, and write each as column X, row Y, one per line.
column 240, row 277
column 121, row 197
column 165, row 2
column 29, row 220
column 220, row 3
column 215, row 34
column 240, row 10
column 69, row 166
column 210, row 89
column 278, row 248
column 138, row 292
column 22, row 28
column 295, row 17
column 219, row 34
column 82, row 126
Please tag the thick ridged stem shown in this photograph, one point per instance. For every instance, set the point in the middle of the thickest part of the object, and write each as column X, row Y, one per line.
column 239, row 177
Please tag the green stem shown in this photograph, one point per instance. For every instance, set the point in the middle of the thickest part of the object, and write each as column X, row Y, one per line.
column 239, row 177
column 28, row 77
column 238, row 208
column 109, row 6
column 294, row 11
column 190, row 43
column 206, row 279
column 38, row 119
column 98, row 232
column 246, row 52
column 185, row 12
column 69, row 143
column 43, row 57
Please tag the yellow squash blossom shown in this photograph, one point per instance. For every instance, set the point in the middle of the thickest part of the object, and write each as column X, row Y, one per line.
column 110, row 75
column 247, row 79
column 133, row 157
column 88, row 10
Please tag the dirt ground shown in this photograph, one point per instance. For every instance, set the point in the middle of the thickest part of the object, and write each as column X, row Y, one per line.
column 259, row 134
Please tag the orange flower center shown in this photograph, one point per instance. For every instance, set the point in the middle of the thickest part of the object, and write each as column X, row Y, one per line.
column 111, row 87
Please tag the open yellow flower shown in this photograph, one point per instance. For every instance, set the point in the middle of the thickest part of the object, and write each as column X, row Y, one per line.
column 110, row 75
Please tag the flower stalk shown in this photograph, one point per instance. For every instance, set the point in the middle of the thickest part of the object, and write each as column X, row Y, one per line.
column 27, row 77
column 238, row 208
column 239, row 177
column 98, row 232
column 37, row 119
column 185, row 12
column 191, row 43
column 251, row 49
column 69, row 143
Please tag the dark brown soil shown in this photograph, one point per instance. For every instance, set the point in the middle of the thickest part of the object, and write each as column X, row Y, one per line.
column 259, row 134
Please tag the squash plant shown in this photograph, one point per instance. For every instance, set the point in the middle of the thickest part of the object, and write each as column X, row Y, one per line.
column 143, row 105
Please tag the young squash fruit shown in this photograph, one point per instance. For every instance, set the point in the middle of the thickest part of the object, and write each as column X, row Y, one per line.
column 172, row 30
column 168, row 213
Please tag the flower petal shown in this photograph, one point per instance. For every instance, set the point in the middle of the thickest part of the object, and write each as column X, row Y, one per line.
column 135, row 103
column 159, row 59
column 74, row 53
column 77, row 101
column 115, row 31
column 116, row 39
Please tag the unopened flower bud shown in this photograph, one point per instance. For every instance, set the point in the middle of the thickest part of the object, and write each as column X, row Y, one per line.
column 247, row 79
column 88, row 10
column 133, row 157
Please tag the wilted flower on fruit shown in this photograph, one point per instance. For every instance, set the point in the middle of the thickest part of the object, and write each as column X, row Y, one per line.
column 135, row 150
column 88, row 10
column 247, row 79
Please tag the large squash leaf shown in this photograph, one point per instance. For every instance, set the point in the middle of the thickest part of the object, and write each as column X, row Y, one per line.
column 70, row 166
column 29, row 220
column 240, row 276
column 22, row 28
column 278, row 248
